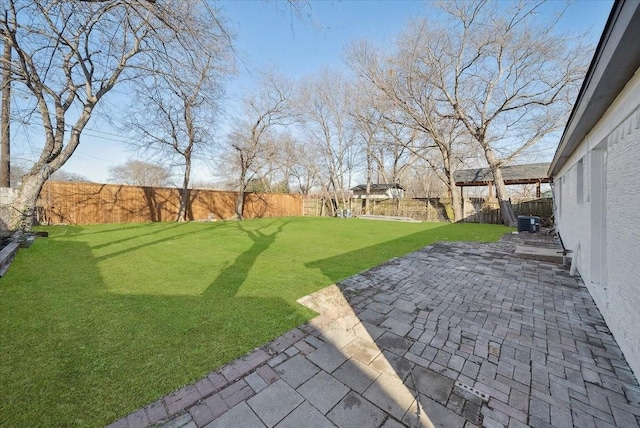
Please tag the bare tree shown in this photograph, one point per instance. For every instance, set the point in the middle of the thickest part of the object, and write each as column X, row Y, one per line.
column 324, row 103
column 383, row 142
column 5, row 120
column 69, row 55
column 140, row 173
column 252, row 140
column 368, row 123
column 395, row 151
column 422, row 181
column 288, row 168
column 177, row 108
column 62, row 175
column 508, row 78
column 403, row 81
column 298, row 163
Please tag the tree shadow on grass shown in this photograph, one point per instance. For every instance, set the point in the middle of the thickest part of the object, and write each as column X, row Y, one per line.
column 74, row 354
column 145, row 243
column 334, row 267
column 75, row 230
column 233, row 276
column 156, row 231
column 77, row 355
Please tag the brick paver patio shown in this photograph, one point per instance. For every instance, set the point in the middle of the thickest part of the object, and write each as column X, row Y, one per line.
column 453, row 335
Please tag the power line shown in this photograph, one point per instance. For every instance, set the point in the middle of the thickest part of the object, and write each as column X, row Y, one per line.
column 104, row 132
column 94, row 157
column 105, row 138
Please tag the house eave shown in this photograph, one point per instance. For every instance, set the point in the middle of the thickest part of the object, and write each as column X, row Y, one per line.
column 616, row 60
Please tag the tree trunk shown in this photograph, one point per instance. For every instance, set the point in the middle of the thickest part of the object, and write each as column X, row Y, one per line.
column 24, row 207
column 506, row 210
column 184, row 194
column 367, row 201
column 330, row 197
column 451, row 183
column 184, row 199
column 240, row 204
column 5, row 122
column 343, row 198
column 455, row 202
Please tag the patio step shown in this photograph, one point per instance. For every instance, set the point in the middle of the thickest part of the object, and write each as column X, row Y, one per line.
column 553, row 255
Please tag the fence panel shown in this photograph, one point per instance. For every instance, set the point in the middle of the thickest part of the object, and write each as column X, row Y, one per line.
column 312, row 206
column 476, row 210
column 90, row 203
column 432, row 209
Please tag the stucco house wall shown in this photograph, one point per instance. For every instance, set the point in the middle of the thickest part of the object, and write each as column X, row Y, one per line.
column 609, row 264
column 596, row 176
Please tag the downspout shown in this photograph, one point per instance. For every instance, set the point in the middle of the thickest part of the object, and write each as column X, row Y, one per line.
column 565, row 252
column 572, row 270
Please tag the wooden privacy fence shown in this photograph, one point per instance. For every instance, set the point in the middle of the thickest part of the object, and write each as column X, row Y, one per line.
column 90, row 203
column 479, row 210
column 424, row 209
column 476, row 210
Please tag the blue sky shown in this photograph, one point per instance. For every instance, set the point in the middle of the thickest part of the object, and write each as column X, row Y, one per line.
column 268, row 36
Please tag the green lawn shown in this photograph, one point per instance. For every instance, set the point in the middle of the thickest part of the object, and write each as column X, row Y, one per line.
column 97, row 321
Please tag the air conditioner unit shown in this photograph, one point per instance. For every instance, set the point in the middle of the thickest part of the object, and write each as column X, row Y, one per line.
column 528, row 223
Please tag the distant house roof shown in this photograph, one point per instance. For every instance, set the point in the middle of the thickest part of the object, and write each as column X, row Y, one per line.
column 377, row 187
column 513, row 174
column 616, row 60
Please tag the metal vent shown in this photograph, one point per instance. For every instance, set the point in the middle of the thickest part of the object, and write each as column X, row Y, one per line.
column 472, row 390
column 494, row 350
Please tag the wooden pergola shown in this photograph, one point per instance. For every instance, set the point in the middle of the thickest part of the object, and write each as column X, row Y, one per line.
column 535, row 173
